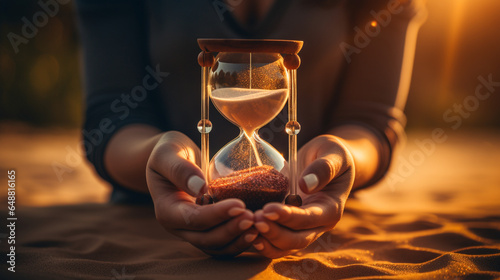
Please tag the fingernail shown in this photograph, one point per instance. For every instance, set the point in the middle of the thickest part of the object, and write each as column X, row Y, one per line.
column 262, row 227
column 195, row 184
column 250, row 237
column 311, row 181
column 259, row 246
column 245, row 224
column 272, row 216
column 235, row 211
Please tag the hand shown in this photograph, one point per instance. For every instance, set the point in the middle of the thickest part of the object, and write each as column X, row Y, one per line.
column 174, row 179
column 327, row 179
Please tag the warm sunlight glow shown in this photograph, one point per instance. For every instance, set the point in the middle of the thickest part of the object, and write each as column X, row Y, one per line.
column 44, row 74
column 451, row 47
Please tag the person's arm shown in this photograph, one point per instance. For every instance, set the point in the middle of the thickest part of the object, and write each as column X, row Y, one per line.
column 127, row 141
column 356, row 152
column 365, row 149
column 114, row 44
column 127, row 154
column 376, row 85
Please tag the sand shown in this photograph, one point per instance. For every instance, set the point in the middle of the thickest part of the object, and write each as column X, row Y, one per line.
column 440, row 221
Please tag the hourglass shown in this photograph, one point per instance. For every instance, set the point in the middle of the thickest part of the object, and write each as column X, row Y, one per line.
column 250, row 82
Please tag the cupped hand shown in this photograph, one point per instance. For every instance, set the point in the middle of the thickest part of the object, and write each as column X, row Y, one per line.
column 174, row 180
column 327, row 179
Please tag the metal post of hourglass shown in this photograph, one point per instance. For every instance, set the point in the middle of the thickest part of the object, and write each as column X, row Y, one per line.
column 292, row 128
column 206, row 60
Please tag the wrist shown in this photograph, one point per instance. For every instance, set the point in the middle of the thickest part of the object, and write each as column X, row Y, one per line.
column 127, row 153
column 366, row 149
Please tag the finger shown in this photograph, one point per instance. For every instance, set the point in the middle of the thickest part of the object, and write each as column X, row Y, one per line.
column 180, row 172
column 174, row 160
column 284, row 238
column 173, row 213
column 319, row 210
column 221, row 235
column 327, row 158
column 241, row 244
column 265, row 248
column 321, row 172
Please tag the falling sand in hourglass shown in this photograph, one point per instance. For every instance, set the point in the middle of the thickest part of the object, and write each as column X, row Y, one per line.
column 250, row 109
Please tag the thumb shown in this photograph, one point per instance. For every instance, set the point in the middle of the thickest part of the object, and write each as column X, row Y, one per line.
column 175, row 161
column 328, row 164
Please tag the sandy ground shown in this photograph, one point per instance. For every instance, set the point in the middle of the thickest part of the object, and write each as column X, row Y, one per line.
column 50, row 167
column 451, row 177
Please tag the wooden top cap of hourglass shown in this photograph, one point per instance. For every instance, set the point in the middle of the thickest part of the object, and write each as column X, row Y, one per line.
column 288, row 47
column 251, row 45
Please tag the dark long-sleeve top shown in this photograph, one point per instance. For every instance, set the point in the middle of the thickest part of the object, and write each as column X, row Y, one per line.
column 140, row 61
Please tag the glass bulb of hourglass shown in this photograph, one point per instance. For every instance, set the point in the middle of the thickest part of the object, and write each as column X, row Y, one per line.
column 249, row 94
column 249, row 108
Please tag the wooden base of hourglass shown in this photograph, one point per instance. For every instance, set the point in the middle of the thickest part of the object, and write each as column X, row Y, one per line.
column 204, row 199
column 291, row 199
column 294, row 200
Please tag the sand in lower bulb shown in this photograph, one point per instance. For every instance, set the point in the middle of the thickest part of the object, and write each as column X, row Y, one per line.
column 256, row 186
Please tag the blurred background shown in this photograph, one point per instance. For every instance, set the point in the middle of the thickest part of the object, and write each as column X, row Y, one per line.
column 40, row 85
column 41, row 94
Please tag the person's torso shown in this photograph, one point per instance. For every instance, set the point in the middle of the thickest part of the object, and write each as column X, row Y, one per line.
column 175, row 27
